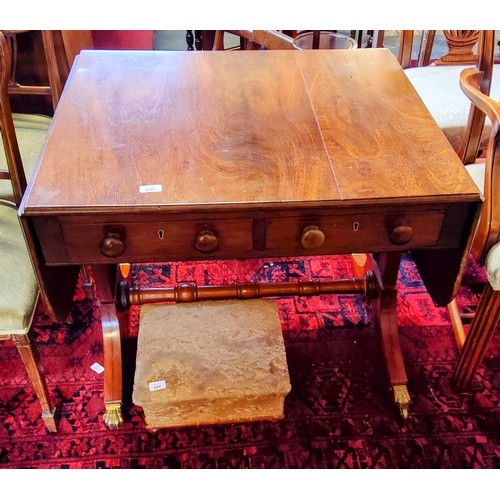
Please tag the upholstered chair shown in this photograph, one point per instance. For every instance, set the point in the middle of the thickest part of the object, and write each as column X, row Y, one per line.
column 437, row 82
column 19, row 291
column 486, row 244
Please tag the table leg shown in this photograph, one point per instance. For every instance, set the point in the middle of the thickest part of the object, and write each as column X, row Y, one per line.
column 386, row 321
column 481, row 329
column 104, row 277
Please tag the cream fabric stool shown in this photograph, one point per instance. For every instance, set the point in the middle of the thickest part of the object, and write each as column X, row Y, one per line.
column 212, row 362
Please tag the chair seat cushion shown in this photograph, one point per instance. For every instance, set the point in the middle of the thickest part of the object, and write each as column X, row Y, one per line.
column 18, row 286
column 493, row 267
column 476, row 171
column 439, row 88
column 214, row 362
column 31, row 131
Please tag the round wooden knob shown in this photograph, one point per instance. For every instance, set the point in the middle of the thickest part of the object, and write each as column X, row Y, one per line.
column 401, row 233
column 206, row 242
column 112, row 245
column 312, row 238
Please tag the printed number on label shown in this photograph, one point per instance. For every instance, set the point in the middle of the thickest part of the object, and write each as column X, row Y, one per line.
column 150, row 188
column 157, row 386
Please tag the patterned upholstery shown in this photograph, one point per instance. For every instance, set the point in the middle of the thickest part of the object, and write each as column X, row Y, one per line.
column 439, row 88
column 31, row 131
column 215, row 361
column 18, row 286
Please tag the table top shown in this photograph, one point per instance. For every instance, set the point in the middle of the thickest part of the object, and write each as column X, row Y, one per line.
column 160, row 130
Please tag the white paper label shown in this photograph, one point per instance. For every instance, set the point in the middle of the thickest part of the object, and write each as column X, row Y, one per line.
column 97, row 368
column 157, row 386
column 150, row 188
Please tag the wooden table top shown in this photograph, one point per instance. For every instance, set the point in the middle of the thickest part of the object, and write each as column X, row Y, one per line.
column 241, row 128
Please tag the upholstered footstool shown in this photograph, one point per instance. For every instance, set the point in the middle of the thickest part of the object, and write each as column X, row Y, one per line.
column 210, row 362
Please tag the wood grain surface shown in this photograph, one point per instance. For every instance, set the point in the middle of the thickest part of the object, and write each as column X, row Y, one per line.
column 242, row 129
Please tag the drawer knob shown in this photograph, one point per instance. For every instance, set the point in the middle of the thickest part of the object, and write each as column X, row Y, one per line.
column 206, row 242
column 401, row 233
column 112, row 245
column 312, row 238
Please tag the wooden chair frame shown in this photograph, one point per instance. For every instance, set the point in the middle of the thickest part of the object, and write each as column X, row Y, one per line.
column 23, row 341
column 460, row 47
column 254, row 39
column 54, row 89
column 487, row 237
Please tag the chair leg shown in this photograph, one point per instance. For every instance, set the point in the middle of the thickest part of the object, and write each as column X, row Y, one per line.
column 219, row 40
column 87, row 285
column 482, row 328
column 29, row 355
column 456, row 323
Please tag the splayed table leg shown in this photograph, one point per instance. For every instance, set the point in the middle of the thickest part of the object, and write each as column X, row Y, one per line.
column 104, row 277
column 386, row 321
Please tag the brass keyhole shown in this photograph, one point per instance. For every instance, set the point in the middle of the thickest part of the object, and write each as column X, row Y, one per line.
column 355, row 226
column 161, row 233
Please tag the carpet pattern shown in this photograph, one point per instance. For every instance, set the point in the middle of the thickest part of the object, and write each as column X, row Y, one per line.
column 339, row 414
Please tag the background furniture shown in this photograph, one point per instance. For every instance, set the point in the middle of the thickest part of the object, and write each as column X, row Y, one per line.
column 41, row 63
column 485, row 247
column 251, row 39
column 18, row 286
column 322, row 39
column 122, row 39
column 278, row 40
column 474, row 138
column 54, row 88
column 23, row 136
column 437, row 82
column 254, row 39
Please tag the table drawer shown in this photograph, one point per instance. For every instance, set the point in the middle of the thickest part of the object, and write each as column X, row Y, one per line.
column 354, row 232
column 134, row 240
column 150, row 241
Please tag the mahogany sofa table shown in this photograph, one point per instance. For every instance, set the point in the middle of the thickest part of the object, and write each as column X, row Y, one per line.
column 158, row 156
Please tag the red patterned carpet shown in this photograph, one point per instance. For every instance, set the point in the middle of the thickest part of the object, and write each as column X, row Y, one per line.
column 339, row 414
